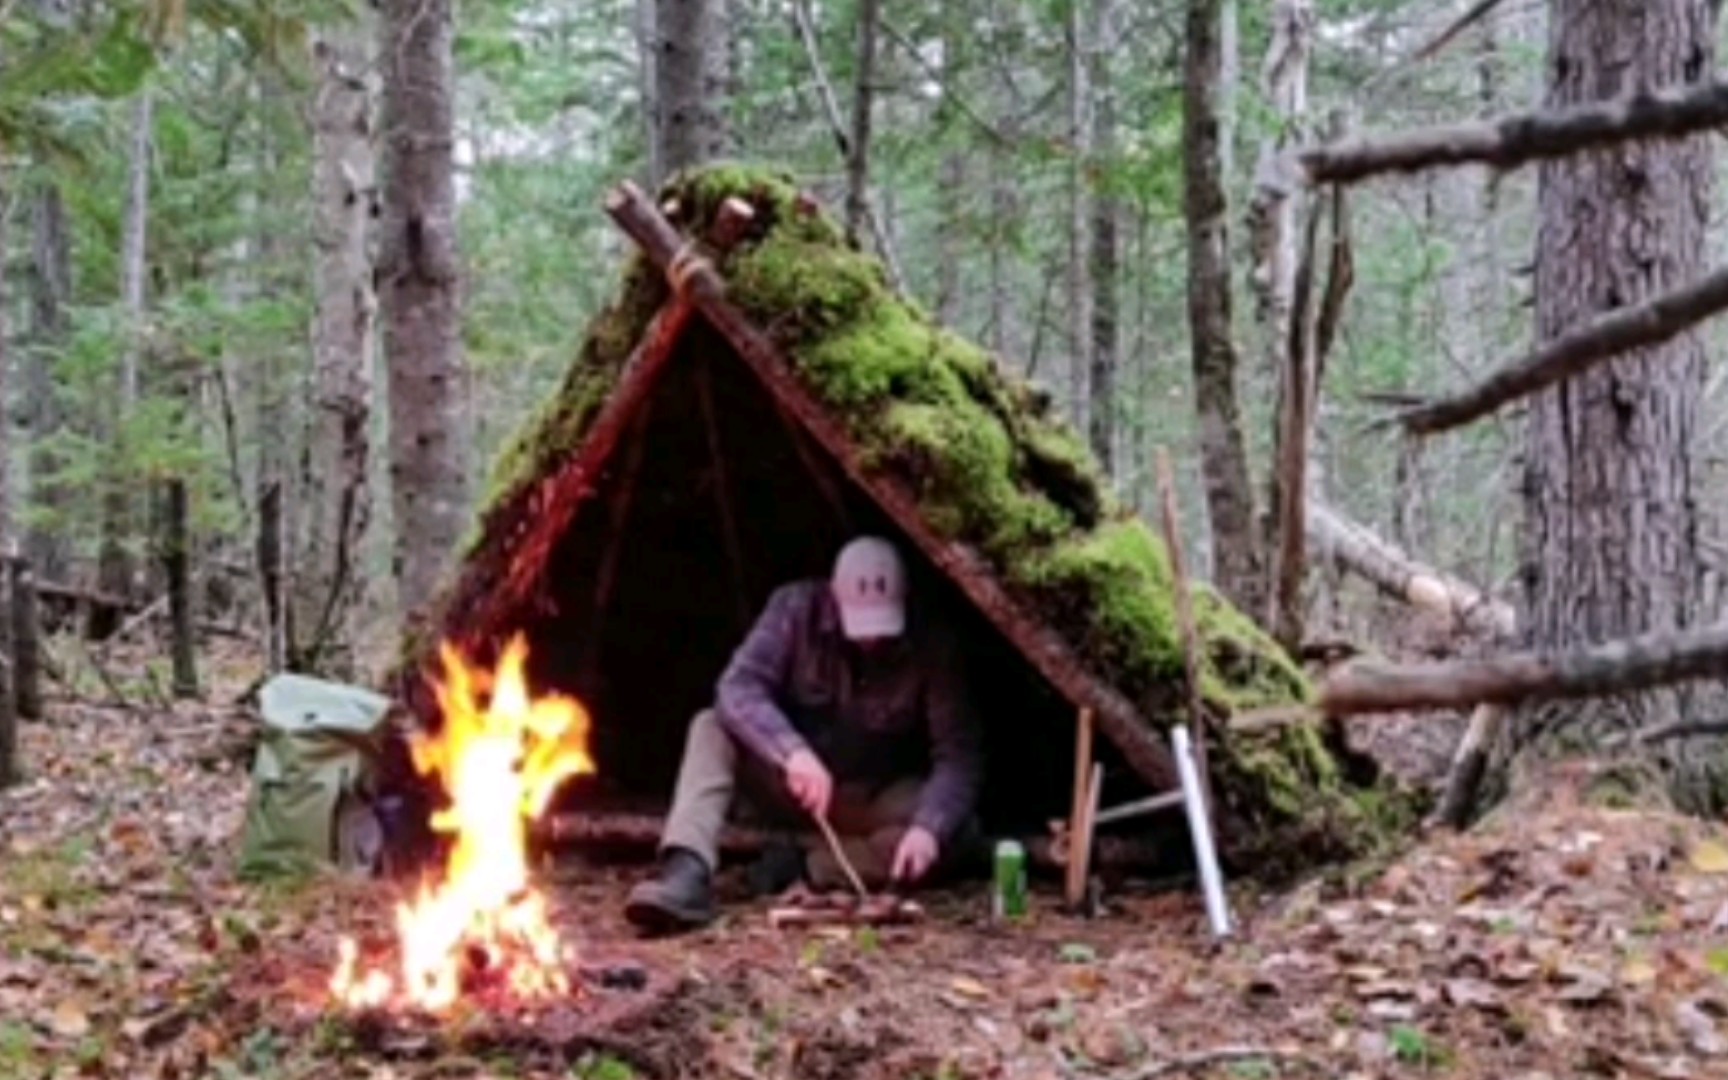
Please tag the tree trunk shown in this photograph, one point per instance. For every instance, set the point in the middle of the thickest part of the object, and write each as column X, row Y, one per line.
column 273, row 401
column 114, row 561
column 1610, row 496
column 691, row 74
column 10, row 770
column 51, row 292
column 428, row 382
column 26, row 641
column 1223, row 456
column 1105, row 259
column 648, row 83
column 863, row 105
column 335, row 495
column 176, row 569
column 1079, row 165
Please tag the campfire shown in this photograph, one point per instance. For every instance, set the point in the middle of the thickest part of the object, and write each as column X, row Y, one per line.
column 500, row 756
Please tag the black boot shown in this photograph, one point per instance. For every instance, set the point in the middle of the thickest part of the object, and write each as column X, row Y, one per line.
column 680, row 897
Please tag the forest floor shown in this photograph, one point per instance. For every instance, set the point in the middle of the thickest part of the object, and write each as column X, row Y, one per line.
column 1574, row 942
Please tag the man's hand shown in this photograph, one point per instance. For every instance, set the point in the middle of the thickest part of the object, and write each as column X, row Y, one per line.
column 808, row 780
column 915, row 855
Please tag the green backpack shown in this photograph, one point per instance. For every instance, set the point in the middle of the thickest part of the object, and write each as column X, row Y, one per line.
column 310, row 803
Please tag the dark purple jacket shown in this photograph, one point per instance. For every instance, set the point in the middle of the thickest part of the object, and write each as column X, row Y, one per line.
column 795, row 683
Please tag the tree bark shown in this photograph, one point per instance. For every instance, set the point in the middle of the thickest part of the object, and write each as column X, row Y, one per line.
column 176, row 570
column 26, row 641
column 1272, row 238
column 1105, row 258
column 1223, row 456
column 335, row 493
column 114, row 562
column 418, row 275
column 863, row 107
column 1079, row 280
column 691, row 92
column 10, row 770
column 1610, row 496
column 51, row 292
column 648, row 83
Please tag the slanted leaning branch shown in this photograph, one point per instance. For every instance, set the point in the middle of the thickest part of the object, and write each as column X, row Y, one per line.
column 1521, row 138
column 1575, row 352
column 1612, row 667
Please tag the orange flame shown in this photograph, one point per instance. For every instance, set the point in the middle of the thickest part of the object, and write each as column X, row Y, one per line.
column 500, row 766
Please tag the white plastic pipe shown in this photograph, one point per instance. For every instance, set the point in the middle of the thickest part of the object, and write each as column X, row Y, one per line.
column 1200, row 829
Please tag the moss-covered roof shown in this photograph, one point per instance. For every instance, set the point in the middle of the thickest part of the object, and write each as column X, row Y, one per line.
column 989, row 464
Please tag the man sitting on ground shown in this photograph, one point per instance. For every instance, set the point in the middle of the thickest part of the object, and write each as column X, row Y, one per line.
column 848, row 706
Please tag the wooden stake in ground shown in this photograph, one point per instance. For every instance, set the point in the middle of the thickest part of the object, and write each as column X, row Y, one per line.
column 1079, row 837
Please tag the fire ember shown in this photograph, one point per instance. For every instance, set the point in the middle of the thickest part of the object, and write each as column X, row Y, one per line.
column 500, row 756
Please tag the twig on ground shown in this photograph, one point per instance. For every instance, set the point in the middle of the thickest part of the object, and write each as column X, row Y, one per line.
column 1220, row 1055
column 102, row 673
column 1679, row 729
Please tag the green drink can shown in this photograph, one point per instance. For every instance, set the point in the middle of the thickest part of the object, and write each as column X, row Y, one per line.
column 1008, row 897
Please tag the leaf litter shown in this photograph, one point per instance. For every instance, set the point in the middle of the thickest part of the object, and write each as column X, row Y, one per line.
column 1573, row 941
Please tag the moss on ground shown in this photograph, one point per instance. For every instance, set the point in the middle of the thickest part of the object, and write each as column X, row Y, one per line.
column 990, row 466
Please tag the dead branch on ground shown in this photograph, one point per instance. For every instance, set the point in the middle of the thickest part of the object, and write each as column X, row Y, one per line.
column 1398, row 575
column 1520, row 138
column 1609, row 668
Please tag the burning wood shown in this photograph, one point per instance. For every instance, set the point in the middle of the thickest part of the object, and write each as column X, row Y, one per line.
column 500, row 756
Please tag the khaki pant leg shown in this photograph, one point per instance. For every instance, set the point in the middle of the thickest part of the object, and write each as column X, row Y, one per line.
column 707, row 778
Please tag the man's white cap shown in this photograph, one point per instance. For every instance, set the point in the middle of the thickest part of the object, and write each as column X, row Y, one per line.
column 869, row 585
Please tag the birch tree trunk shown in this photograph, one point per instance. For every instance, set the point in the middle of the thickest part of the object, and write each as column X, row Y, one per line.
column 51, row 292
column 1272, row 237
column 1610, row 494
column 335, row 494
column 114, row 561
column 418, row 275
column 1223, row 455
column 691, row 75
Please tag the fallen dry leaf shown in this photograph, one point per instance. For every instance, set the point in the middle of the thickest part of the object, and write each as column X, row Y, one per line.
column 1701, row 1032
column 1473, row 994
column 1709, row 857
column 69, row 1020
column 969, row 987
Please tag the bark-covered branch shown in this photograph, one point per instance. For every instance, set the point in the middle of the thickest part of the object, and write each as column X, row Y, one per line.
column 1398, row 575
column 1520, row 138
column 1650, row 323
column 1610, row 668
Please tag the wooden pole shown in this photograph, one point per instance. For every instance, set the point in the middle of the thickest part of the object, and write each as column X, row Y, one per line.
column 1079, row 838
column 1184, row 622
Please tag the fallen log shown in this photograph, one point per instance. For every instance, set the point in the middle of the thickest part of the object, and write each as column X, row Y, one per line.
column 1571, row 354
column 1403, row 578
column 1612, row 667
column 642, row 832
column 1517, row 139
